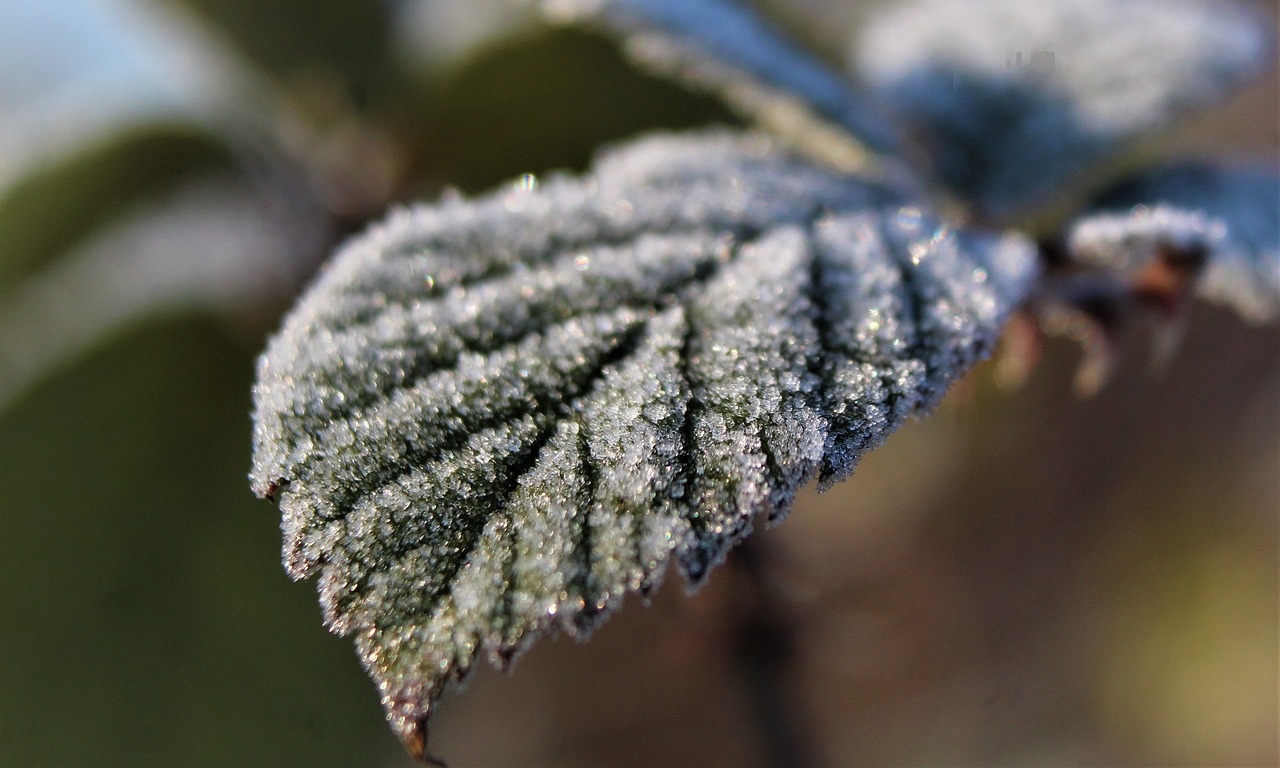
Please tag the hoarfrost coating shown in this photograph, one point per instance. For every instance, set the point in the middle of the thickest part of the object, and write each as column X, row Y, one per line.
column 1240, row 208
column 1017, row 98
column 496, row 417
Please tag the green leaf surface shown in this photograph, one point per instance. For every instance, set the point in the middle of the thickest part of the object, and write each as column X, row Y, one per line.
column 495, row 418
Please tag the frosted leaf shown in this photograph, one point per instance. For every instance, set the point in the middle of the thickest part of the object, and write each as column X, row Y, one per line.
column 727, row 47
column 1016, row 98
column 493, row 418
column 1230, row 217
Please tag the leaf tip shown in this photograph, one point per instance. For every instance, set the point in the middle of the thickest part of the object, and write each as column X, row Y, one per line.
column 266, row 490
column 407, row 714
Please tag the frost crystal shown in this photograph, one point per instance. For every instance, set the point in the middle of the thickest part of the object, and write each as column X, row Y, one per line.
column 1016, row 98
column 497, row 417
column 1232, row 216
column 1122, row 241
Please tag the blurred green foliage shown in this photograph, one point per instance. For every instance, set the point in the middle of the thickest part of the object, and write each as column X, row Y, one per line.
column 542, row 100
column 62, row 203
column 307, row 43
column 150, row 622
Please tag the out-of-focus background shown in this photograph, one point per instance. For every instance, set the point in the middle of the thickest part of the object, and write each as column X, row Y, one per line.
column 1023, row 579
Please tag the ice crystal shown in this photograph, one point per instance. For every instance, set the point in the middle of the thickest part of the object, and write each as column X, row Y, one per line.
column 496, row 417
column 1016, row 98
column 1231, row 215
column 1122, row 241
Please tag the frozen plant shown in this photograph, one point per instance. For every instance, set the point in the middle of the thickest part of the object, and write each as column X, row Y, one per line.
column 494, row 418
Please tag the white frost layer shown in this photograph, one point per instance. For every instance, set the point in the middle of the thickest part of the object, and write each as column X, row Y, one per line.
column 490, row 418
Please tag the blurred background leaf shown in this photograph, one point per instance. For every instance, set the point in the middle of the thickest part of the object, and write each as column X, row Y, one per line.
column 566, row 92
column 54, row 207
column 150, row 622
column 328, row 49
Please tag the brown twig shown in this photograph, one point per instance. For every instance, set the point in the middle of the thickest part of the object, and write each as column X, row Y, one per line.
column 764, row 650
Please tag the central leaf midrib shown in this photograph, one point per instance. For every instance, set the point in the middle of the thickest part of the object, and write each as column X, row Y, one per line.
column 707, row 272
column 428, row 365
column 526, row 463
column 456, row 439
